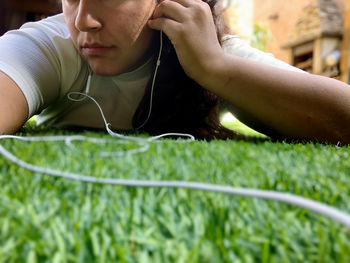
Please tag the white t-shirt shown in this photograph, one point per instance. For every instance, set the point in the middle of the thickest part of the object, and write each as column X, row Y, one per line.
column 41, row 59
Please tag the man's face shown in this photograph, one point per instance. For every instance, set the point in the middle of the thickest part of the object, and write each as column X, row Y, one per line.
column 111, row 35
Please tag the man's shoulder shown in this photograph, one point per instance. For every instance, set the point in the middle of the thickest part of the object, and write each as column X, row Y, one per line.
column 233, row 41
column 232, row 44
column 52, row 37
column 52, row 26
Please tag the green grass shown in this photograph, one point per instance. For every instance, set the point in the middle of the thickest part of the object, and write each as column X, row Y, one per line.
column 46, row 219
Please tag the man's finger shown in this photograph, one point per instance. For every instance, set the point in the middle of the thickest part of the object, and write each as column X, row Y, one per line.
column 170, row 27
column 185, row 3
column 170, row 9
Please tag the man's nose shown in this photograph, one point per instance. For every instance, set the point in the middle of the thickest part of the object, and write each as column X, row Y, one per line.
column 86, row 20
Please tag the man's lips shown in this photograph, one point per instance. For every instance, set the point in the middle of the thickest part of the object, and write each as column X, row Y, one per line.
column 96, row 49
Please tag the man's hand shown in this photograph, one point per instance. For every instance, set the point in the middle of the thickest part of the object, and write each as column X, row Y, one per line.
column 190, row 26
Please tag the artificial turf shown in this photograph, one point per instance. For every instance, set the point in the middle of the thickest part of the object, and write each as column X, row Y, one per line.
column 46, row 219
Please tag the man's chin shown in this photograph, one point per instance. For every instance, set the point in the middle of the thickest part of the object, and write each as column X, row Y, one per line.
column 104, row 71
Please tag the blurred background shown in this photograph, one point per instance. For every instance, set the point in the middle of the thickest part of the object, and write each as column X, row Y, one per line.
column 310, row 34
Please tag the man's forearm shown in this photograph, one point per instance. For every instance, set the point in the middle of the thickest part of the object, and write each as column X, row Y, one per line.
column 295, row 105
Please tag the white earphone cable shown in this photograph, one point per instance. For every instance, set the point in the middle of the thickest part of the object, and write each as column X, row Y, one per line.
column 314, row 206
column 154, row 80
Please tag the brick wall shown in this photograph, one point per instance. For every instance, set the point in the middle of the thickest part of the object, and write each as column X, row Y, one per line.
column 280, row 17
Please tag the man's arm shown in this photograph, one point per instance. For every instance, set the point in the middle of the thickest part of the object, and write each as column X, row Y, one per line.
column 13, row 106
column 291, row 104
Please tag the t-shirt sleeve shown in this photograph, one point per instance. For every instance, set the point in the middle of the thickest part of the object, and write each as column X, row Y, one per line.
column 26, row 57
column 29, row 57
column 232, row 44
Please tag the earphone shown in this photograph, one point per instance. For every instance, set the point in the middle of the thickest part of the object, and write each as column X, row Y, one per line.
column 312, row 205
column 154, row 81
column 288, row 198
column 88, row 84
column 154, row 77
column 318, row 207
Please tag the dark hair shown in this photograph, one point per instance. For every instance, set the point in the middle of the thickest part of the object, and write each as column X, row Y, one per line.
column 179, row 103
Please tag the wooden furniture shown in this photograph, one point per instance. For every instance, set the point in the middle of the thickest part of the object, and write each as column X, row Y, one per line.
column 315, row 44
column 345, row 59
column 313, row 55
column 15, row 12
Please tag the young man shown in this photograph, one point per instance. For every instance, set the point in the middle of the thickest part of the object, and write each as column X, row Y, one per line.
column 114, row 42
